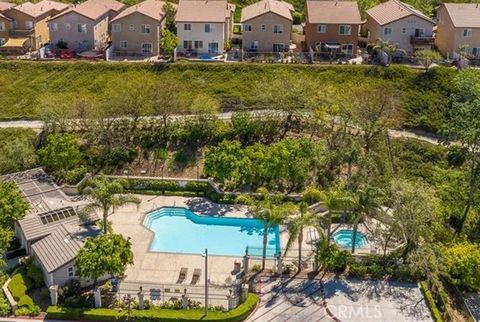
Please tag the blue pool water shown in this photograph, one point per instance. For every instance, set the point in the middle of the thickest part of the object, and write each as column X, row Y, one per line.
column 344, row 238
column 179, row 230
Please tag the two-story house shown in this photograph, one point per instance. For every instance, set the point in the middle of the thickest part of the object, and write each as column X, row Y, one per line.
column 458, row 29
column 267, row 26
column 5, row 22
column 332, row 27
column 401, row 24
column 204, row 26
column 28, row 24
column 85, row 26
column 136, row 30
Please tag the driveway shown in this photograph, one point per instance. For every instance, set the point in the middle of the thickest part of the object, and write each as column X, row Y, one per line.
column 339, row 300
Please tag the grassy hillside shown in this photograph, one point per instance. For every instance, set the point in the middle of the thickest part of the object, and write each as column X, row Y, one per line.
column 26, row 88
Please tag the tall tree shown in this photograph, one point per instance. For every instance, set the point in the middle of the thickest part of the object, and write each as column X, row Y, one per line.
column 168, row 42
column 12, row 204
column 17, row 155
column 297, row 225
column 269, row 210
column 169, row 13
column 60, row 153
column 464, row 127
column 106, row 254
column 413, row 213
column 335, row 200
column 364, row 203
column 105, row 196
column 167, row 100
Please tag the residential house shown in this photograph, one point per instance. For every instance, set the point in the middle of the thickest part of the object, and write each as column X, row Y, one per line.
column 401, row 24
column 136, row 30
column 52, row 232
column 332, row 27
column 458, row 28
column 85, row 26
column 5, row 22
column 28, row 24
column 267, row 26
column 204, row 26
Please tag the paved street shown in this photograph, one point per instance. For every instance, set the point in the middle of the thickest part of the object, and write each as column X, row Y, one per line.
column 346, row 300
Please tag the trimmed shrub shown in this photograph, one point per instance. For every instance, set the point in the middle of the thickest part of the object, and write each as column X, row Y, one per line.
column 19, row 285
column 25, row 301
column 436, row 314
column 236, row 315
column 35, row 275
column 4, row 307
column 357, row 270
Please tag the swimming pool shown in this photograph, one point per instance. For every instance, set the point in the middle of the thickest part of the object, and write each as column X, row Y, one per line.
column 179, row 230
column 344, row 238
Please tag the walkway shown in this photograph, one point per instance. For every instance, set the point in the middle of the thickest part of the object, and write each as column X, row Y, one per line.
column 225, row 116
column 339, row 300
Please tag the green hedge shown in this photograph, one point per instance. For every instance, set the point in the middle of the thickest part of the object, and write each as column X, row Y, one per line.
column 19, row 285
column 436, row 314
column 164, row 187
column 153, row 315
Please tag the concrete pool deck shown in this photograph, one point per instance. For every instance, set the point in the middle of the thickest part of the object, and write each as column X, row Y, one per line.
column 156, row 267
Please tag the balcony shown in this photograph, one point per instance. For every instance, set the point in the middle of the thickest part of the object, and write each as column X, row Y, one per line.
column 21, row 32
column 422, row 41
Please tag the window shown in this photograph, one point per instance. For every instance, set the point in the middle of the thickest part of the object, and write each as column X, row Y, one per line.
column 467, row 32
column 71, row 272
column 82, row 27
column 476, row 52
column 145, row 29
column 68, row 26
column 2, row 41
column 208, row 28
column 28, row 25
column 322, row 29
column 278, row 48
column 116, row 27
column 254, row 45
column 187, row 44
column 53, row 26
column 247, row 27
column 123, row 44
column 278, row 29
column 387, row 31
column 2, row 26
column 263, row 27
column 213, row 47
column 345, row 30
column 198, row 44
column 404, row 30
column 147, row 48
column 131, row 27
column 187, row 27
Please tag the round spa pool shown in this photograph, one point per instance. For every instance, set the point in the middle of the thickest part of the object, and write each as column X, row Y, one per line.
column 344, row 237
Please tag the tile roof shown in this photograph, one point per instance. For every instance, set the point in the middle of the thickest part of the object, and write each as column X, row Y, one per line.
column 203, row 11
column 464, row 15
column 333, row 12
column 281, row 8
column 63, row 245
column 37, row 9
column 394, row 10
column 149, row 8
column 5, row 17
column 5, row 5
column 94, row 9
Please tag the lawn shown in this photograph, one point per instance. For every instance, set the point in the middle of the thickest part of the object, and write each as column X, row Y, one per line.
column 27, row 89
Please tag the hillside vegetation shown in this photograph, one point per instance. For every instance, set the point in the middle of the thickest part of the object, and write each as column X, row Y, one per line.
column 29, row 90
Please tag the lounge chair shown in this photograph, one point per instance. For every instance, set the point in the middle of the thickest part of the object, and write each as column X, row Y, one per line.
column 182, row 275
column 196, row 276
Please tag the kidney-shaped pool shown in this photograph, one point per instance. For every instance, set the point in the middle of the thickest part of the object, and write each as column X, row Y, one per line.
column 179, row 230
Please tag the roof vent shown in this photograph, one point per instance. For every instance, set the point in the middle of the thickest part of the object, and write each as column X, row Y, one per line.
column 66, row 241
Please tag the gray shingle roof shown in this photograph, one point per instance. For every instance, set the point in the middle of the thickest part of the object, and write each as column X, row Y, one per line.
column 62, row 245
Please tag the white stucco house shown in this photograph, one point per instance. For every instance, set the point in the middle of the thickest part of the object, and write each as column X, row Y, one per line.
column 204, row 26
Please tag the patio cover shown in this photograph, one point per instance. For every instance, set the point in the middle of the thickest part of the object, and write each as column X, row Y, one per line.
column 332, row 45
column 15, row 43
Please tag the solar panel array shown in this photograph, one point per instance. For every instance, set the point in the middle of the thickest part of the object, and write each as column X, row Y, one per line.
column 57, row 215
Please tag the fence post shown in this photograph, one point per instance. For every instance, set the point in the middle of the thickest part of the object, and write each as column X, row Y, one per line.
column 54, row 294
column 141, row 302
column 279, row 266
column 98, row 297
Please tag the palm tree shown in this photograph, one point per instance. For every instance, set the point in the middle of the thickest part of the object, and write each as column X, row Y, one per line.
column 388, row 48
column 296, row 228
column 269, row 210
column 335, row 200
column 364, row 203
column 106, row 195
